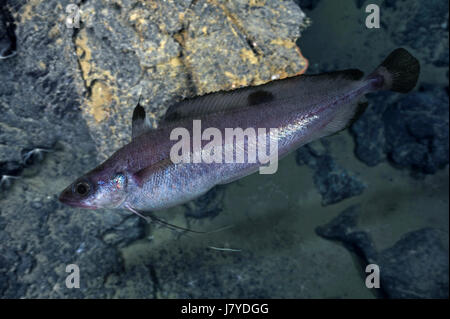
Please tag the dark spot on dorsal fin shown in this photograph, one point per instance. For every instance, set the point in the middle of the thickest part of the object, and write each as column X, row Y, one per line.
column 260, row 97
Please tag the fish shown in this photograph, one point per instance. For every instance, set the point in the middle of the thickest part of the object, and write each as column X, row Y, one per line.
column 143, row 177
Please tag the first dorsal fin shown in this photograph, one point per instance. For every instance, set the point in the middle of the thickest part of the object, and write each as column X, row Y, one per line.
column 139, row 123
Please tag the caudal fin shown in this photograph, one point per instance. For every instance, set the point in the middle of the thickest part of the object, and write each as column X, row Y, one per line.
column 398, row 72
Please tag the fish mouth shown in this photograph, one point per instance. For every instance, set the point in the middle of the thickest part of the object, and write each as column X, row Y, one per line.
column 66, row 198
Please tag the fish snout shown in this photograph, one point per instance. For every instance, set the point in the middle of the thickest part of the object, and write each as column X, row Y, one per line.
column 70, row 198
column 65, row 196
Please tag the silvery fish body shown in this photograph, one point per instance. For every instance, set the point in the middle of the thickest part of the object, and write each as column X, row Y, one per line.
column 301, row 117
column 287, row 113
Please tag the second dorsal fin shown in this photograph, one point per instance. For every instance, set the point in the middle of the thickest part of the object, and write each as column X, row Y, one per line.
column 224, row 101
column 217, row 102
column 272, row 92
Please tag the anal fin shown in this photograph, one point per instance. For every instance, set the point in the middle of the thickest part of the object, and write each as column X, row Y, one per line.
column 344, row 119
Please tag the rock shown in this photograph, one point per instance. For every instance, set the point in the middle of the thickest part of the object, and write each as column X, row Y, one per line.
column 411, row 131
column 47, row 236
column 8, row 283
column 197, row 276
column 163, row 50
column 7, row 34
column 72, row 91
column 95, row 273
column 343, row 229
column 424, row 28
column 166, row 50
column 130, row 229
column 333, row 182
column 136, row 282
column 344, row 224
column 441, row 59
column 310, row 153
column 368, row 131
column 208, row 205
column 416, row 130
column 414, row 267
column 10, row 168
column 38, row 100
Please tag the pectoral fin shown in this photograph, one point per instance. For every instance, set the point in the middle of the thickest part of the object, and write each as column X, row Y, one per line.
column 210, row 103
column 142, row 175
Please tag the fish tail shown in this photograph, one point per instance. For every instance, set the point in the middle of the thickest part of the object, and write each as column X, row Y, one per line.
column 398, row 72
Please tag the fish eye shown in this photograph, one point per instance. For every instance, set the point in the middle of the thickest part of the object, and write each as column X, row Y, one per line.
column 82, row 188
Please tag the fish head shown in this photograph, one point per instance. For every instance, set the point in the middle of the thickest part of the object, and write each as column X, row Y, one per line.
column 97, row 189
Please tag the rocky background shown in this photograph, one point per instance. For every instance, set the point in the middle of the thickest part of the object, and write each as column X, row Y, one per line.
column 66, row 98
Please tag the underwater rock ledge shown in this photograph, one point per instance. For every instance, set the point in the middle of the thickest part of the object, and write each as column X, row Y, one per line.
column 78, row 87
column 167, row 50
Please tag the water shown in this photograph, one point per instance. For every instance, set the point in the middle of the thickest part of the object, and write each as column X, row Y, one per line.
column 273, row 217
